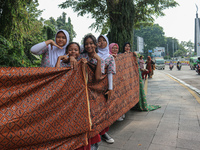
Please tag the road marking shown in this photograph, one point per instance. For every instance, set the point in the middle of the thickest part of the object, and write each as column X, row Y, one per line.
column 191, row 91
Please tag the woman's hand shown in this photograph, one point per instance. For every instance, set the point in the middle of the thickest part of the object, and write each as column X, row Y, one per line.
column 83, row 60
column 135, row 54
column 73, row 62
column 114, row 55
column 52, row 43
column 109, row 93
column 96, row 56
column 65, row 58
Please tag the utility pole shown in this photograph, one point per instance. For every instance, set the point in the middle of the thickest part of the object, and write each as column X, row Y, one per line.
column 173, row 48
column 167, row 52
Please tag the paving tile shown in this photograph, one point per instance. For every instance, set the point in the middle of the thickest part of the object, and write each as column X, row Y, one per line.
column 136, row 145
column 188, row 144
column 161, row 147
column 175, row 126
column 189, row 135
column 167, row 138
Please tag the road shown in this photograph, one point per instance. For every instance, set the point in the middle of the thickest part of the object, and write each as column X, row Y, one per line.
column 185, row 74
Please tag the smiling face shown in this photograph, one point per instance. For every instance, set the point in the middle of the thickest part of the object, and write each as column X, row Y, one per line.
column 102, row 42
column 89, row 45
column 115, row 49
column 73, row 50
column 127, row 48
column 61, row 39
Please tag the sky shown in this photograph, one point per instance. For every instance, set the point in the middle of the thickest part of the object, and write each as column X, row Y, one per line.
column 178, row 22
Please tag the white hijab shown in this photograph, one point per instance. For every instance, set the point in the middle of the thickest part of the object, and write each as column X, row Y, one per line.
column 103, row 52
column 55, row 52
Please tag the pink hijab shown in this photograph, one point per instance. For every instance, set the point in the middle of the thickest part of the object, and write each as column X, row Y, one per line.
column 110, row 47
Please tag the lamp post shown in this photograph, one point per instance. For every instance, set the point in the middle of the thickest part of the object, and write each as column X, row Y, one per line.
column 167, row 52
column 173, row 48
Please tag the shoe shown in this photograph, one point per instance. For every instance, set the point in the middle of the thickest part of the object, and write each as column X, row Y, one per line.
column 123, row 116
column 95, row 146
column 120, row 119
column 107, row 138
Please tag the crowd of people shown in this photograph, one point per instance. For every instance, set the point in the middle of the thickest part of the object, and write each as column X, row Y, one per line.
column 98, row 51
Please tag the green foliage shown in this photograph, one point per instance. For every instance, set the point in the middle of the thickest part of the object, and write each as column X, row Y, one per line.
column 21, row 29
column 153, row 37
column 52, row 26
column 62, row 24
column 167, row 57
column 188, row 46
column 9, row 55
column 14, row 19
column 119, row 17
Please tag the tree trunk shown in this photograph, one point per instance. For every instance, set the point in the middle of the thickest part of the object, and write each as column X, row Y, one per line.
column 121, row 14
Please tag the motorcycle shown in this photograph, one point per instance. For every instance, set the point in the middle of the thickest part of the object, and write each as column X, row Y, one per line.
column 198, row 68
column 179, row 66
column 171, row 66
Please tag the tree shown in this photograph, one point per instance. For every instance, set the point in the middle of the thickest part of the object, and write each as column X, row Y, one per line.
column 119, row 17
column 52, row 26
column 153, row 37
column 188, row 46
column 16, row 19
column 171, row 44
column 62, row 24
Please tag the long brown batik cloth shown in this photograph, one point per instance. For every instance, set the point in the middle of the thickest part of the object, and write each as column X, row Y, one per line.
column 50, row 108
column 43, row 108
column 125, row 93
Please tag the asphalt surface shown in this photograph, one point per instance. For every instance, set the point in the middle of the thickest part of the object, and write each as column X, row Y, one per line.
column 185, row 74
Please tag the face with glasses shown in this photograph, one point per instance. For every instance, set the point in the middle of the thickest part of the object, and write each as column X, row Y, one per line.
column 115, row 49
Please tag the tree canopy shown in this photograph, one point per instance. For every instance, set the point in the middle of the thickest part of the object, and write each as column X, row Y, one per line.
column 21, row 29
column 153, row 37
column 118, row 18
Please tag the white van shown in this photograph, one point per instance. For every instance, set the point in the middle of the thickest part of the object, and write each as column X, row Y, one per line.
column 160, row 64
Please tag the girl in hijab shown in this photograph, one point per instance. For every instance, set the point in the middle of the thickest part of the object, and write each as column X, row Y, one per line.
column 51, row 50
column 103, row 52
column 113, row 49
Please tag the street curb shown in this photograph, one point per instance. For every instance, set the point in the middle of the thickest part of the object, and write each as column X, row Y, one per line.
column 189, row 86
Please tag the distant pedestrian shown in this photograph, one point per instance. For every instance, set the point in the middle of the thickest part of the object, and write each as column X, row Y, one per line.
column 141, row 62
column 141, row 65
column 150, row 66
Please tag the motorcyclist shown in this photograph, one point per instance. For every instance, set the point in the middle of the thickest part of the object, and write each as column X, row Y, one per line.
column 171, row 65
column 198, row 63
column 178, row 65
column 198, row 60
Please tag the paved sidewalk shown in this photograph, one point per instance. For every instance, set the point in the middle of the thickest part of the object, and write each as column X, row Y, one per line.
column 174, row 126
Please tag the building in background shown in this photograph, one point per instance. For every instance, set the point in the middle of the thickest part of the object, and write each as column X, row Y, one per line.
column 140, row 45
column 158, row 52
